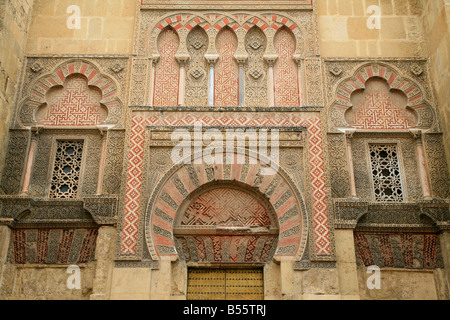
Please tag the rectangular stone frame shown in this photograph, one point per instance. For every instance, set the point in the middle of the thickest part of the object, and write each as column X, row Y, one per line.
column 130, row 245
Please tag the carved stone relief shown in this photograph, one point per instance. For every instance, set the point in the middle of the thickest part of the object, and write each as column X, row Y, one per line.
column 339, row 173
column 15, row 162
column 42, row 166
column 313, row 78
column 299, row 23
column 437, row 165
column 377, row 108
column 345, row 78
column 114, row 162
column 256, row 69
column 197, row 70
column 106, row 78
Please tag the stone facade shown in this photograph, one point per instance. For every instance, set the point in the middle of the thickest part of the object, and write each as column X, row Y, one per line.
column 356, row 117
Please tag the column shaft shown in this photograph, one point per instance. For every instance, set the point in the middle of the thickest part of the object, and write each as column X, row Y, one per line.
column 30, row 164
column 101, row 170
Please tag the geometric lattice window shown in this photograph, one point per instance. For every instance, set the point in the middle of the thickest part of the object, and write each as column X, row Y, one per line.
column 386, row 173
column 66, row 172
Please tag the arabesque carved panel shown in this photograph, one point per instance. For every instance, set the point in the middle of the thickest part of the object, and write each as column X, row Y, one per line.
column 197, row 69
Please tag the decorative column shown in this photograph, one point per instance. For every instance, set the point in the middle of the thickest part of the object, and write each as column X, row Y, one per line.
column 270, row 59
column 182, row 60
column 154, row 60
column 101, row 171
column 349, row 135
column 423, row 170
column 30, row 160
column 241, row 59
column 212, row 59
column 299, row 61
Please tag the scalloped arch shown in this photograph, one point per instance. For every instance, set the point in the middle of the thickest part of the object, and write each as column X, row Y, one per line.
column 218, row 21
column 95, row 78
column 414, row 93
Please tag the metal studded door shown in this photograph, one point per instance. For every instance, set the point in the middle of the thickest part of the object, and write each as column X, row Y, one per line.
column 225, row 284
column 244, row 284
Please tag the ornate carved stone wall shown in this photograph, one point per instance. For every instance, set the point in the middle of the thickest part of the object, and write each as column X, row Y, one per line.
column 211, row 210
column 45, row 74
column 114, row 162
column 361, row 157
column 298, row 23
column 136, row 193
column 15, row 162
column 434, row 144
column 338, row 166
column 410, row 77
column 68, row 120
column 197, row 68
column 256, row 69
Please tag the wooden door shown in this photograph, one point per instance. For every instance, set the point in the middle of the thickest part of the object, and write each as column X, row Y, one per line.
column 225, row 284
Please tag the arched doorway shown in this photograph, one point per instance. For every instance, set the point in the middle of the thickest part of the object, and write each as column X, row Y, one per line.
column 226, row 233
column 227, row 217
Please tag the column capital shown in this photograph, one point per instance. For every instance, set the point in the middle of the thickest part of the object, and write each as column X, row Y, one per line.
column 103, row 130
column 416, row 133
column 35, row 131
column 299, row 59
column 155, row 59
column 270, row 59
column 241, row 59
column 212, row 59
column 349, row 132
column 182, row 59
